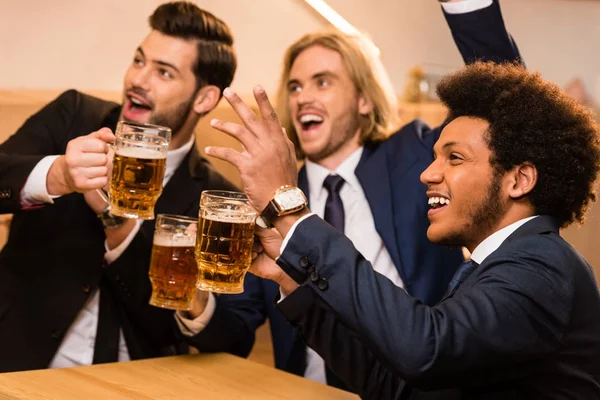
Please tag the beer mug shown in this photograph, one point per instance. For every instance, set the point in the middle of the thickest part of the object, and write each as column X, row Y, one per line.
column 138, row 169
column 173, row 271
column 224, row 242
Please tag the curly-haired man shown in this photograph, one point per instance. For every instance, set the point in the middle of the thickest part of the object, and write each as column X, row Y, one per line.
column 521, row 319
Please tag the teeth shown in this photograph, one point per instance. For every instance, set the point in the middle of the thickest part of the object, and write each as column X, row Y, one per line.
column 438, row 201
column 310, row 118
column 136, row 102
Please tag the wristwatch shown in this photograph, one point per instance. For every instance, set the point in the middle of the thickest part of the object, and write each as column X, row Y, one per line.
column 287, row 200
column 110, row 221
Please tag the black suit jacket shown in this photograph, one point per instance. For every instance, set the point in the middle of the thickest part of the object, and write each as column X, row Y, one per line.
column 524, row 325
column 53, row 259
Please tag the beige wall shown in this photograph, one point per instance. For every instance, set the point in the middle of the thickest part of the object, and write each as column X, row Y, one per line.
column 87, row 44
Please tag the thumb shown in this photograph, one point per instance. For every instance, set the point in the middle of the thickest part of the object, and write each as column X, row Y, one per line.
column 104, row 134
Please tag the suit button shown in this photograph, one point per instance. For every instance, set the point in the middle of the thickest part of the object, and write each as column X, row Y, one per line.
column 304, row 262
column 314, row 276
column 323, row 284
column 86, row 288
column 311, row 269
column 56, row 334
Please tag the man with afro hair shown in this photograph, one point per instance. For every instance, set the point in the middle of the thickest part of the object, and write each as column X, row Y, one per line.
column 521, row 320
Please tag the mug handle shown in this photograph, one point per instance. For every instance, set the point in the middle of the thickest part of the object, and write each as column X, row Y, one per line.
column 101, row 192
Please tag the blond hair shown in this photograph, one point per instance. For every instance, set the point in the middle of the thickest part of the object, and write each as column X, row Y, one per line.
column 366, row 71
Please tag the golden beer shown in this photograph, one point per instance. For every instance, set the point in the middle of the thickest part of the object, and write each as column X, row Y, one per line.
column 173, row 270
column 224, row 242
column 136, row 182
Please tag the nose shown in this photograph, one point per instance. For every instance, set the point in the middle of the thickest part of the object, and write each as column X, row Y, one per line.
column 305, row 96
column 432, row 174
column 140, row 77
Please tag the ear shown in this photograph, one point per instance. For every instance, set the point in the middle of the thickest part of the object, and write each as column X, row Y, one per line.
column 365, row 105
column 523, row 179
column 206, row 99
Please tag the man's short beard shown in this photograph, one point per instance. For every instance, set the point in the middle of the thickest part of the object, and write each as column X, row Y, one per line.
column 175, row 119
column 483, row 218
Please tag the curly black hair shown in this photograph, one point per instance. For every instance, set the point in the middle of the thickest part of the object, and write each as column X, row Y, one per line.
column 531, row 120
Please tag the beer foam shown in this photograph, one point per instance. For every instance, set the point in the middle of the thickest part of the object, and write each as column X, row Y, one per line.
column 232, row 217
column 140, row 152
column 174, row 240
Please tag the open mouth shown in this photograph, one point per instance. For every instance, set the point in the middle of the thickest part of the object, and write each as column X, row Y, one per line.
column 138, row 105
column 310, row 121
column 136, row 108
column 437, row 203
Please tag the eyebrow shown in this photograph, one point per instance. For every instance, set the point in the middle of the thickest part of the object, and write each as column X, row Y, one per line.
column 445, row 146
column 159, row 62
column 323, row 74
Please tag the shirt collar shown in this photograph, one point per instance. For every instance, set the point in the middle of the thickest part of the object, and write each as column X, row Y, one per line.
column 492, row 242
column 316, row 174
column 175, row 157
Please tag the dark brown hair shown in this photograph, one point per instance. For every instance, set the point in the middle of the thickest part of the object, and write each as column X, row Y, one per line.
column 216, row 61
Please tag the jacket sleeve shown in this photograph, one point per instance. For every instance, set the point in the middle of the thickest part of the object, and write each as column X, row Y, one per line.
column 482, row 36
column 513, row 315
column 44, row 133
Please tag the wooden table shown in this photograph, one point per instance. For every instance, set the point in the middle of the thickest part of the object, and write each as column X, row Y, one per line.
column 205, row 376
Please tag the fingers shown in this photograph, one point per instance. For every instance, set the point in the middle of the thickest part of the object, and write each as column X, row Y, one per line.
column 243, row 111
column 243, row 135
column 267, row 111
column 103, row 134
column 226, row 154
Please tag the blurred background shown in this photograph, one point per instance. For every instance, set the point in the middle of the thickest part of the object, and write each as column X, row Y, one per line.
column 87, row 44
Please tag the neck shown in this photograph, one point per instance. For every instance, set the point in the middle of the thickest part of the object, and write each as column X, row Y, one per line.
column 183, row 135
column 335, row 159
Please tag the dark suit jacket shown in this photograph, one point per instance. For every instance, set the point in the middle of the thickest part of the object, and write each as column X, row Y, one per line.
column 524, row 325
column 389, row 174
column 53, row 259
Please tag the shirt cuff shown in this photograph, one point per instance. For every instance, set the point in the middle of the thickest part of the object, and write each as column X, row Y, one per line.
column 282, row 296
column 111, row 255
column 35, row 191
column 192, row 327
column 466, row 6
column 291, row 232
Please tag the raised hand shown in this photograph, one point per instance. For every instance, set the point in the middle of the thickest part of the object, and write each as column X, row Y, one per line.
column 268, row 160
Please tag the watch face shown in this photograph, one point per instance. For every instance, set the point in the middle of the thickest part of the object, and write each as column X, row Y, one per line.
column 290, row 199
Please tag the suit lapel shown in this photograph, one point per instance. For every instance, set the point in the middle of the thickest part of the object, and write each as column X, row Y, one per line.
column 186, row 179
column 374, row 177
column 538, row 225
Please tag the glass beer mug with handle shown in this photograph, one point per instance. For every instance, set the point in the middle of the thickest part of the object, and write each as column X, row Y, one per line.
column 224, row 243
column 138, row 169
column 173, row 271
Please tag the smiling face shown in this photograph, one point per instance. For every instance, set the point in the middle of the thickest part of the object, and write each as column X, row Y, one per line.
column 160, row 85
column 324, row 105
column 465, row 192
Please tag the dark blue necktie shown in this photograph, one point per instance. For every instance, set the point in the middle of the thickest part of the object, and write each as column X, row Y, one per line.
column 334, row 215
column 334, row 208
column 461, row 274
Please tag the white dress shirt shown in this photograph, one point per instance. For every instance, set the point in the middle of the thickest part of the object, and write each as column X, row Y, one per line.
column 359, row 228
column 492, row 242
column 77, row 347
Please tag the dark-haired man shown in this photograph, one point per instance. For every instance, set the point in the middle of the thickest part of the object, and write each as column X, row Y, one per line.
column 67, row 276
column 521, row 319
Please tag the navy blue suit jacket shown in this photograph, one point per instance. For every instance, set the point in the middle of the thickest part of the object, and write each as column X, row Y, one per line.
column 389, row 174
column 524, row 325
